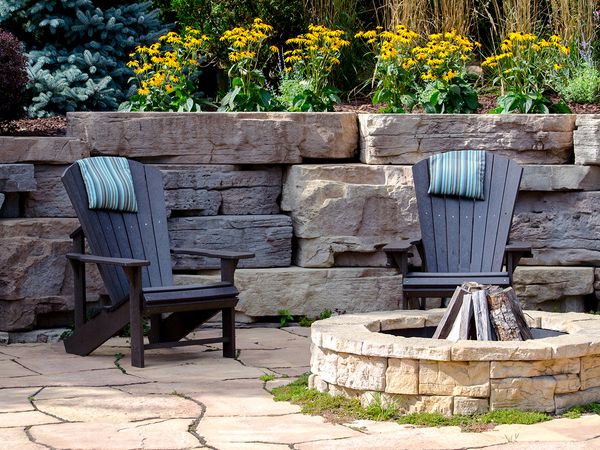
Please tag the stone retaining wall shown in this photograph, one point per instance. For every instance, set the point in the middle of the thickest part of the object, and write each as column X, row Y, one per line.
column 315, row 196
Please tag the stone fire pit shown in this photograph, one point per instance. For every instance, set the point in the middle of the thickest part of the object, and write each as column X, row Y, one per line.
column 388, row 355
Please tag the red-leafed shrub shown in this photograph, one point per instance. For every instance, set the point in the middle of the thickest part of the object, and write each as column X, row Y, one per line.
column 13, row 76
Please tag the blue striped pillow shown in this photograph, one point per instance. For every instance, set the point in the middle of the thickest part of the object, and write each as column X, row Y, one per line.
column 459, row 173
column 108, row 183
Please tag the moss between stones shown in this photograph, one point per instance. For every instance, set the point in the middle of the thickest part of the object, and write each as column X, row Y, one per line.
column 340, row 409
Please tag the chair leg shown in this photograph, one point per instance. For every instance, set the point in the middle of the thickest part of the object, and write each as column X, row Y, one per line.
column 228, row 315
column 134, row 274
column 155, row 328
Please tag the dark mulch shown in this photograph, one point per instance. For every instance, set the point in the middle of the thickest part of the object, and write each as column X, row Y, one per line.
column 57, row 126
column 48, row 126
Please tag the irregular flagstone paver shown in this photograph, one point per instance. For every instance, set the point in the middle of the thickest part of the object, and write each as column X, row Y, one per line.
column 16, row 439
column 104, row 377
column 24, row 419
column 12, row 369
column 280, row 358
column 288, row 429
column 171, row 434
column 114, row 407
column 16, row 400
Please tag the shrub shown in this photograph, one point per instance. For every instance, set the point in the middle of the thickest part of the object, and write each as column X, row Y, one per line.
column 165, row 73
column 78, row 49
column 13, row 76
column 249, row 53
column 432, row 75
column 310, row 64
column 442, row 67
column 526, row 69
column 582, row 87
column 394, row 79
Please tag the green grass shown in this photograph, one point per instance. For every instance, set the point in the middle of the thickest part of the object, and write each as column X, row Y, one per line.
column 341, row 409
column 576, row 411
column 267, row 377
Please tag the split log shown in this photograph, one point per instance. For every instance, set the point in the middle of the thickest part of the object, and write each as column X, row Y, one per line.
column 483, row 326
column 504, row 310
column 452, row 311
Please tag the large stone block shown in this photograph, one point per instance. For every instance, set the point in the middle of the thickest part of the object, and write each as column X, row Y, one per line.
column 530, row 394
column 17, row 178
column 50, row 199
column 561, row 227
column 510, row 369
column 470, row 379
column 361, row 372
column 268, row 237
column 35, row 277
column 402, row 376
column 263, row 292
column 218, row 138
column 586, row 139
column 45, row 150
column 406, row 139
column 222, row 189
column 590, row 372
column 552, row 288
column 345, row 214
column 565, row 401
column 560, row 178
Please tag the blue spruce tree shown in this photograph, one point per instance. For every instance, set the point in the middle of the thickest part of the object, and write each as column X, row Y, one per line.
column 78, row 49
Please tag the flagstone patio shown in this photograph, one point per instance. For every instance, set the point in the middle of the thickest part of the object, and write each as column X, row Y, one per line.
column 193, row 398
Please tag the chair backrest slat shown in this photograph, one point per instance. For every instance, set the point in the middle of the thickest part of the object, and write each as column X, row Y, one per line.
column 466, row 235
column 141, row 235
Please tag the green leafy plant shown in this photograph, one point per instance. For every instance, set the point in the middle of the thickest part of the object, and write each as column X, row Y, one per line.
column 77, row 50
column 285, row 317
column 165, row 73
column 393, row 77
column 248, row 55
column 310, row 65
column 583, row 86
column 267, row 377
column 576, row 411
column 13, row 77
column 441, row 63
column 526, row 70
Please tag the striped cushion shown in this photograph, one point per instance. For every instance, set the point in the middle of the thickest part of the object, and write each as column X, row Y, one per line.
column 459, row 173
column 108, row 183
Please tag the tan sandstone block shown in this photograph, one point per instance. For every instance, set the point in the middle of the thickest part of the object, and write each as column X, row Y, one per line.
column 567, row 382
column 469, row 406
column 408, row 404
column 500, row 351
column 534, row 394
column 421, row 348
column 573, row 345
column 361, row 372
column 348, row 339
column 590, row 372
column 565, row 401
column 323, row 363
column 507, row 369
column 454, row 378
column 402, row 376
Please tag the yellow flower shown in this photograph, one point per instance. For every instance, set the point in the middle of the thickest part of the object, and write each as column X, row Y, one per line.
column 449, row 75
column 273, row 48
column 143, row 91
column 558, row 66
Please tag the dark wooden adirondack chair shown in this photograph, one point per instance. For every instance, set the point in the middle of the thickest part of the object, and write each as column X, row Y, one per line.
column 133, row 255
column 462, row 239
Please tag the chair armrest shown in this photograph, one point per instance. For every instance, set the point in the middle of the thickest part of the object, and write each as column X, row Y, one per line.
column 519, row 247
column 398, row 246
column 93, row 259
column 221, row 254
column 398, row 253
